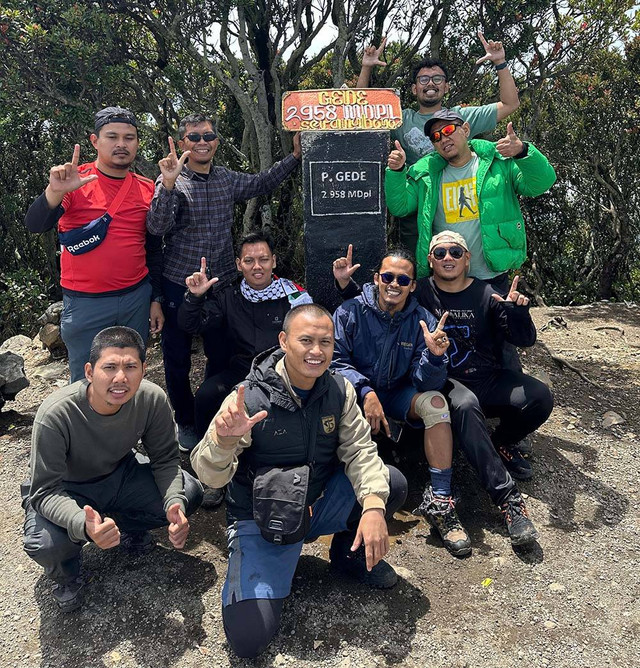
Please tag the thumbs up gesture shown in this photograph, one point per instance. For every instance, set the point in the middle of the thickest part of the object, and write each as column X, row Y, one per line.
column 510, row 145
column 397, row 158
column 178, row 526
column 104, row 533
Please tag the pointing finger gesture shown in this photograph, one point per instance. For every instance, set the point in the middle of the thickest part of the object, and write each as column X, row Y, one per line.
column 511, row 145
column 494, row 51
column 397, row 157
column 234, row 421
column 170, row 167
column 514, row 296
column 343, row 268
column 65, row 178
column 198, row 283
column 437, row 341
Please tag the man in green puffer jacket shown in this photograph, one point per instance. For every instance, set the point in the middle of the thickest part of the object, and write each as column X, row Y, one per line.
column 470, row 187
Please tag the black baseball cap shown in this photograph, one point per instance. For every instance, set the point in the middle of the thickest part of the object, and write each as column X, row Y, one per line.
column 114, row 115
column 442, row 115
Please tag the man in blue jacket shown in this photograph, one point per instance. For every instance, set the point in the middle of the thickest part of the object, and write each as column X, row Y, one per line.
column 394, row 353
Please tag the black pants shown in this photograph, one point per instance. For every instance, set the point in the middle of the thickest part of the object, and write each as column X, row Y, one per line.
column 176, row 353
column 129, row 496
column 521, row 402
column 251, row 624
column 212, row 393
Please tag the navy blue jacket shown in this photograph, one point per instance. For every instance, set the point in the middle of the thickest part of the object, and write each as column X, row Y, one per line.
column 377, row 351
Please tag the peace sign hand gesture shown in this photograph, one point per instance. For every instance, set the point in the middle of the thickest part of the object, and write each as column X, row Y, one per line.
column 65, row 178
column 511, row 145
column 343, row 268
column 198, row 283
column 437, row 341
column 372, row 53
column 170, row 167
column 514, row 296
column 233, row 422
column 494, row 51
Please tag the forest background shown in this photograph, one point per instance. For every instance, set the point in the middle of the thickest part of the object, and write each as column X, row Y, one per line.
column 576, row 64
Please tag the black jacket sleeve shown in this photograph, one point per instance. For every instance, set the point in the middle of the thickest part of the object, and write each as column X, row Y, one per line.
column 515, row 323
column 40, row 218
column 199, row 314
column 352, row 290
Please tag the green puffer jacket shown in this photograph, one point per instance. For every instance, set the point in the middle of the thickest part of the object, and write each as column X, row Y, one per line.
column 498, row 183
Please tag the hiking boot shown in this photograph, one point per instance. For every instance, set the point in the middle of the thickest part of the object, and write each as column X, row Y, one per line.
column 187, row 437
column 354, row 564
column 68, row 595
column 440, row 512
column 524, row 446
column 137, row 543
column 212, row 497
column 515, row 463
column 516, row 518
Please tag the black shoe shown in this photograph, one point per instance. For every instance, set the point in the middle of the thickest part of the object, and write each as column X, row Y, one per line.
column 524, row 446
column 68, row 595
column 440, row 512
column 516, row 464
column 354, row 564
column 212, row 497
column 520, row 527
column 137, row 543
column 187, row 437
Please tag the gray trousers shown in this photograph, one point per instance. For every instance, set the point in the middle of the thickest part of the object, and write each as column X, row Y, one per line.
column 129, row 495
column 83, row 317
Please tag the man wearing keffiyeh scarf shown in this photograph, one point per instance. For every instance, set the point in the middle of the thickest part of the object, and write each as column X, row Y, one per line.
column 249, row 312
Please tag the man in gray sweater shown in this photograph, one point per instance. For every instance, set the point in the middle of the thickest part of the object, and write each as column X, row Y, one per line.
column 87, row 483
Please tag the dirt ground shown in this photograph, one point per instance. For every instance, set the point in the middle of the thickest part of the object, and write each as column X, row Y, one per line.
column 573, row 600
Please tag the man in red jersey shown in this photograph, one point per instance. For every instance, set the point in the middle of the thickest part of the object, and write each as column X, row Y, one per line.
column 107, row 259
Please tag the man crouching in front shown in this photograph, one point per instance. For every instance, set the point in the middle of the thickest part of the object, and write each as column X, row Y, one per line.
column 87, row 482
column 301, row 464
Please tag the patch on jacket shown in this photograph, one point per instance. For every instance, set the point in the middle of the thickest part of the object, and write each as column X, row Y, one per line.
column 329, row 424
column 405, row 344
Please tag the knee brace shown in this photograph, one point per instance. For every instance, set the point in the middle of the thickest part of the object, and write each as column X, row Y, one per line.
column 432, row 408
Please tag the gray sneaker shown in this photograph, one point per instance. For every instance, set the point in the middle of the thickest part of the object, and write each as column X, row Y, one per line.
column 187, row 437
column 68, row 595
column 524, row 446
column 212, row 497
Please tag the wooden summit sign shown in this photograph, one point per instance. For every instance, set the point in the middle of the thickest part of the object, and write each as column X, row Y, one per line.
column 338, row 109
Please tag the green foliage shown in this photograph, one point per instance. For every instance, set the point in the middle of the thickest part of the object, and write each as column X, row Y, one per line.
column 23, row 298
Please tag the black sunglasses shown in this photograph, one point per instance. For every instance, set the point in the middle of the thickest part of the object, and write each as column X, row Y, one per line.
column 196, row 136
column 401, row 279
column 440, row 252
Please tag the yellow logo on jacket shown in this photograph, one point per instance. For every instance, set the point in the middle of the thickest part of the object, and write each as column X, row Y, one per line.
column 329, row 424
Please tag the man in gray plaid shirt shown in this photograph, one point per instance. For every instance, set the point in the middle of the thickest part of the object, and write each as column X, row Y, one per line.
column 193, row 209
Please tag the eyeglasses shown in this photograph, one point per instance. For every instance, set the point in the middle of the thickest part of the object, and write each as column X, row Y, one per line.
column 195, row 137
column 440, row 252
column 447, row 130
column 401, row 279
column 436, row 78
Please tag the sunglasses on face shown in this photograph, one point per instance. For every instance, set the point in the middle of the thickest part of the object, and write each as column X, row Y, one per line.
column 195, row 137
column 401, row 279
column 436, row 78
column 447, row 130
column 456, row 252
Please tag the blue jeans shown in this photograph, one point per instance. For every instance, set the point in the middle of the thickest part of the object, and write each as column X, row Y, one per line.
column 83, row 317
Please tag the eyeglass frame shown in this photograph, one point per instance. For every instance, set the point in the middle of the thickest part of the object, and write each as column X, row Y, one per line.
column 200, row 135
column 426, row 78
column 398, row 278
column 441, row 133
column 447, row 251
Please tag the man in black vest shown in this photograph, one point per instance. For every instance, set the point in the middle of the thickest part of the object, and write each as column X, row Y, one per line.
column 292, row 412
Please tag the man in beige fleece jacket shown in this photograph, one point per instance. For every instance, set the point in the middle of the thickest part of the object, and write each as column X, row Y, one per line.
column 292, row 412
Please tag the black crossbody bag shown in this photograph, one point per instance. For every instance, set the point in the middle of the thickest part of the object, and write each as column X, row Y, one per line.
column 280, row 498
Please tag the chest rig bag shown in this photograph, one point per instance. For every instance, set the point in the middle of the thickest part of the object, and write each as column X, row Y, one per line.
column 84, row 239
column 280, row 496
